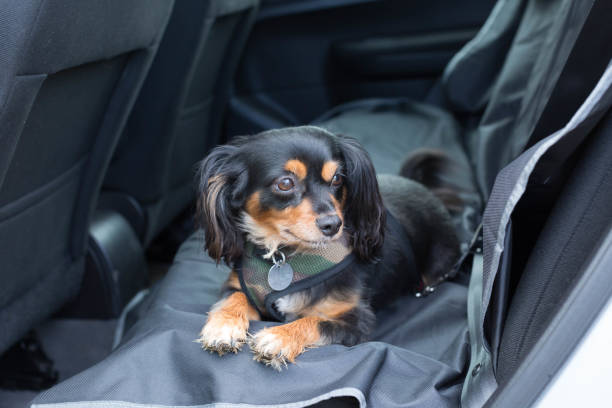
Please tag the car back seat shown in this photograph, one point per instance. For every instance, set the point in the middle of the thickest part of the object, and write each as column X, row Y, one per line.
column 581, row 215
column 70, row 71
column 419, row 358
column 173, row 316
column 549, row 212
column 569, row 93
column 178, row 114
column 490, row 97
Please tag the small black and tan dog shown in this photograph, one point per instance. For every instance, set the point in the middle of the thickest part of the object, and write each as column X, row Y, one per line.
column 310, row 199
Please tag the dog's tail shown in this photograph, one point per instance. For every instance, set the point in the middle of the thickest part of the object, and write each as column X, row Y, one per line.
column 435, row 170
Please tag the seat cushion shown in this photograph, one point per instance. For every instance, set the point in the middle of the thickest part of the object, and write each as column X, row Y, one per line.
column 417, row 355
column 69, row 73
column 389, row 129
column 178, row 114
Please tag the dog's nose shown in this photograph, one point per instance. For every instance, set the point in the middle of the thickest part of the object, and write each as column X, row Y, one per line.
column 329, row 224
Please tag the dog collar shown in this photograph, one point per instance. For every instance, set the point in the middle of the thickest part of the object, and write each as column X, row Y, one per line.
column 262, row 279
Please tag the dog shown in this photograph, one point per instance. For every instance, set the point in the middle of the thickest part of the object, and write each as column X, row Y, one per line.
column 307, row 196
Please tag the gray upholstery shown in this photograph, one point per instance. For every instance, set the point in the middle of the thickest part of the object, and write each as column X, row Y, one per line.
column 416, row 358
column 378, row 122
column 177, row 116
column 515, row 246
column 537, row 56
column 419, row 358
column 498, row 86
column 481, row 60
column 579, row 220
column 69, row 73
column 420, row 347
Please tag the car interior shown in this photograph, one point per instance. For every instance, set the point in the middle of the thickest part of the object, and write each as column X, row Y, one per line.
column 107, row 107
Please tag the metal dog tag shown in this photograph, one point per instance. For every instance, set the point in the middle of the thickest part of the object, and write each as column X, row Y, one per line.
column 280, row 274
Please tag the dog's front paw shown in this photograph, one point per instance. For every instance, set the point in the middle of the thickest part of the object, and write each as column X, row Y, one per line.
column 228, row 321
column 275, row 346
column 222, row 336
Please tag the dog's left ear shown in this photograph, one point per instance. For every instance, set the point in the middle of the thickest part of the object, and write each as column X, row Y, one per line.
column 222, row 181
column 364, row 209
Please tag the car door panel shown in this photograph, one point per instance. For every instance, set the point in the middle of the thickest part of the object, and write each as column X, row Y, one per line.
column 304, row 57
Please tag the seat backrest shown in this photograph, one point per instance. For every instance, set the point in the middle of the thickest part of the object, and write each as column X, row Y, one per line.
column 573, row 87
column 481, row 59
column 510, row 70
column 178, row 114
column 544, row 218
column 580, row 217
column 69, row 73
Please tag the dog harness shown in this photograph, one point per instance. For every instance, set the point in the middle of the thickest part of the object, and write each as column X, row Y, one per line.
column 264, row 281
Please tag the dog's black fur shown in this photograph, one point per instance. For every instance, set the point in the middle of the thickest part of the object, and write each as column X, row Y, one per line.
column 240, row 193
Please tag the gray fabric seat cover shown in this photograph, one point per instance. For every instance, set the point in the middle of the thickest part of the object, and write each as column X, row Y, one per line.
column 416, row 357
column 177, row 116
column 578, row 200
column 418, row 353
column 69, row 74
column 579, row 220
column 377, row 125
column 509, row 69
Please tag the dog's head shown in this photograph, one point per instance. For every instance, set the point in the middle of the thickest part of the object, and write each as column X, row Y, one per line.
column 301, row 187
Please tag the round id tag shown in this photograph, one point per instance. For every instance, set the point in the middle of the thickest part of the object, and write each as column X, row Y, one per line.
column 280, row 274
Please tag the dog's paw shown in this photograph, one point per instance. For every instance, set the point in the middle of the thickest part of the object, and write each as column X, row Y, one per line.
column 276, row 346
column 223, row 335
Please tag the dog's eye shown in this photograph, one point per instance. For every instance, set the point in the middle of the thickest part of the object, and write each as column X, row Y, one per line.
column 285, row 184
column 336, row 180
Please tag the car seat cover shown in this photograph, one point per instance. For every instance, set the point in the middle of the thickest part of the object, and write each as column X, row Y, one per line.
column 510, row 186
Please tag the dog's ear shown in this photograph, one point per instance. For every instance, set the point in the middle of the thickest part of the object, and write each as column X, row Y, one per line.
column 222, row 182
column 364, row 209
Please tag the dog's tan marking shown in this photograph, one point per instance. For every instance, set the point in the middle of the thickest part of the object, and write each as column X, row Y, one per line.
column 300, row 215
column 264, row 219
column 292, row 225
column 232, row 281
column 274, row 346
column 227, row 324
column 297, row 167
column 329, row 170
column 331, row 307
column 253, row 205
